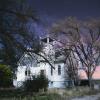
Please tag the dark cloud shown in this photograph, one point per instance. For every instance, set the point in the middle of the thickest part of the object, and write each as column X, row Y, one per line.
column 53, row 10
column 61, row 8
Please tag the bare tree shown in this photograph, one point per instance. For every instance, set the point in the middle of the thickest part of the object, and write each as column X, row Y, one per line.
column 17, row 31
column 83, row 38
column 71, row 69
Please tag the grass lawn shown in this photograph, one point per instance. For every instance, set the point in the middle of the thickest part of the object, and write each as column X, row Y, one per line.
column 13, row 94
column 34, row 97
column 53, row 94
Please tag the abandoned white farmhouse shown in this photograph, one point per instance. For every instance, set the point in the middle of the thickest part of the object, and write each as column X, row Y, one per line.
column 28, row 66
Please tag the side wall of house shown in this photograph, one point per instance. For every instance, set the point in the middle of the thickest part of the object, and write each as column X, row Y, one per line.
column 56, row 77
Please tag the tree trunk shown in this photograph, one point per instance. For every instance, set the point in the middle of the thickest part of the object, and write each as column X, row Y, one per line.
column 91, row 85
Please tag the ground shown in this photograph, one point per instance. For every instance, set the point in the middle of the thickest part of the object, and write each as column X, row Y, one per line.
column 79, row 93
column 90, row 97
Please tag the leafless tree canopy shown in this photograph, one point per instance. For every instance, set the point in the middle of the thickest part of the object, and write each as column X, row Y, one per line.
column 83, row 39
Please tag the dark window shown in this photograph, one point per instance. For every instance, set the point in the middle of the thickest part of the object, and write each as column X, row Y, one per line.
column 59, row 70
column 43, row 72
column 57, row 54
column 51, row 71
column 27, row 72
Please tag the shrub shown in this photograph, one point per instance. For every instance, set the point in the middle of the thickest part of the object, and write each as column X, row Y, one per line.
column 6, row 79
column 36, row 83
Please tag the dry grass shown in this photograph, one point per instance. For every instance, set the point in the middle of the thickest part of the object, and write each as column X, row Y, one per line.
column 74, row 92
column 52, row 94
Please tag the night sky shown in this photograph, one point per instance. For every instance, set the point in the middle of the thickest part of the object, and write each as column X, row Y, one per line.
column 50, row 11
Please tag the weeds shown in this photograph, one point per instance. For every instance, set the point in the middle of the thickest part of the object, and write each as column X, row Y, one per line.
column 52, row 94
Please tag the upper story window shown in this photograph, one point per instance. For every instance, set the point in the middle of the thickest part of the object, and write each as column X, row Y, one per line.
column 59, row 69
column 57, row 54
